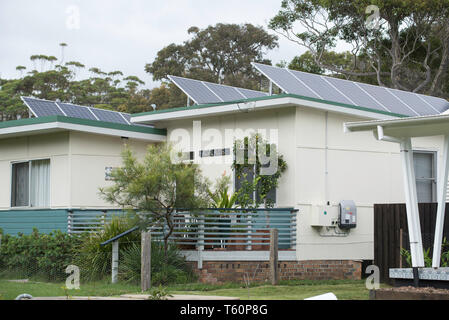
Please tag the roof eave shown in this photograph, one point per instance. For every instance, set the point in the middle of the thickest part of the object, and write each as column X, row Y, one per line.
column 285, row 100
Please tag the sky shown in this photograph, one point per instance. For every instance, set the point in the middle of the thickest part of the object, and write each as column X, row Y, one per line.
column 118, row 35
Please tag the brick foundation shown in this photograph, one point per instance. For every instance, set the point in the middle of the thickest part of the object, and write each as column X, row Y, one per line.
column 233, row 271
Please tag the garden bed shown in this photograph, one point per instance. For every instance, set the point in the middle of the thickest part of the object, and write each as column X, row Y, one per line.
column 409, row 293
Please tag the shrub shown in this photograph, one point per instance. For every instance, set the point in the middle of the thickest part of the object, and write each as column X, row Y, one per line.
column 43, row 256
column 93, row 259
column 168, row 269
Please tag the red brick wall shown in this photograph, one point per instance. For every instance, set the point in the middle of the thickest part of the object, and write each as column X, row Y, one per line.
column 259, row 271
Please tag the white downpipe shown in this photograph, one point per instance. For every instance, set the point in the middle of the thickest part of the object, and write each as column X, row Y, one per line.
column 326, row 158
column 442, row 190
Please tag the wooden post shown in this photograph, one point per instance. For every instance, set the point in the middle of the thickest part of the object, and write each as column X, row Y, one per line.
column 274, row 269
column 145, row 264
column 400, row 247
column 114, row 261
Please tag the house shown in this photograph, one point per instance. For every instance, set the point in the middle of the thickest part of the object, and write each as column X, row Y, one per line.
column 327, row 172
column 51, row 164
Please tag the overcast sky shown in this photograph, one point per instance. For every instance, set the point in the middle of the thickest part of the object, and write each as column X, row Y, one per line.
column 118, row 35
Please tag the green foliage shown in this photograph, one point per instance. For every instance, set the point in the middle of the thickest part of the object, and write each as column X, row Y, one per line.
column 220, row 196
column 165, row 268
column 111, row 90
column 93, row 259
column 159, row 293
column 427, row 257
column 406, row 47
column 221, row 54
column 157, row 186
column 256, row 156
column 43, row 256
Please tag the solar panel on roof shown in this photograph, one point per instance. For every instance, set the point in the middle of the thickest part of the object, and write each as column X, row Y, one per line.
column 108, row 116
column 422, row 108
column 440, row 104
column 42, row 108
column 224, row 92
column 353, row 93
column 203, row 92
column 321, row 86
column 285, row 80
column 196, row 90
column 393, row 104
column 252, row 93
column 72, row 110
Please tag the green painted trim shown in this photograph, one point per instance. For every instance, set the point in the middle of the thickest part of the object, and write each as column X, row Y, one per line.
column 279, row 96
column 84, row 122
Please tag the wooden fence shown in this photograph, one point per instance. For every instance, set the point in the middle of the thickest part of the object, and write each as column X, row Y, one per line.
column 391, row 234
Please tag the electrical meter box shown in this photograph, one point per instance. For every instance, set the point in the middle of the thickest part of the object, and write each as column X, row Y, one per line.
column 323, row 216
column 348, row 214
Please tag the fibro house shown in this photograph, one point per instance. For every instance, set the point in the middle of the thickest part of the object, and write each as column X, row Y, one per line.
column 56, row 163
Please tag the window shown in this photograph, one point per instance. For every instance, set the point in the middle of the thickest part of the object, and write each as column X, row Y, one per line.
column 425, row 173
column 30, row 185
column 250, row 177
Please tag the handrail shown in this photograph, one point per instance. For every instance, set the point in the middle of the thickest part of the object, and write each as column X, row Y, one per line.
column 119, row 236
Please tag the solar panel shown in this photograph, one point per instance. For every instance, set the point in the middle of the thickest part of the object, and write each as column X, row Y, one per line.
column 252, row 93
column 42, row 108
column 387, row 99
column 440, row 104
column 285, row 80
column 422, row 108
column 108, row 116
column 225, row 93
column 357, row 95
column 203, row 92
column 353, row 93
column 321, row 86
column 75, row 111
column 196, row 90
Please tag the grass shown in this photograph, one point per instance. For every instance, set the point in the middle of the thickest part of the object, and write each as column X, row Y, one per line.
column 287, row 290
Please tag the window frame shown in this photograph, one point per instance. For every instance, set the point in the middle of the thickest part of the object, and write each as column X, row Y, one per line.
column 434, row 179
column 30, row 161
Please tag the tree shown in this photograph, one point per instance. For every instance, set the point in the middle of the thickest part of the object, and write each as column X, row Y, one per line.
column 406, row 48
column 220, row 54
column 156, row 187
column 258, row 167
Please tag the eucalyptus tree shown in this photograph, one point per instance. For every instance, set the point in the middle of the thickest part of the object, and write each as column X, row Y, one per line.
column 399, row 44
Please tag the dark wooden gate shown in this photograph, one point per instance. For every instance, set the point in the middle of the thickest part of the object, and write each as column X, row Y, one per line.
column 391, row 233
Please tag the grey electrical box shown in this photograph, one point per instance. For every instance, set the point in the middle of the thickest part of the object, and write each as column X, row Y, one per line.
column 348, row 215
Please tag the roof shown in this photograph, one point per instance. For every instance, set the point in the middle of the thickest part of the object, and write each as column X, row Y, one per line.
column 408, row 127
column 267, row 102
column 62, row 123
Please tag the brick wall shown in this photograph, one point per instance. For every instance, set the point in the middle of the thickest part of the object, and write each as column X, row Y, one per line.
column 259, row 271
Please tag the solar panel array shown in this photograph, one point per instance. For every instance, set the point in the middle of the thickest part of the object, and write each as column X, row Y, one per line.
column 45, row 108
column 202, row 92
column 353, row 93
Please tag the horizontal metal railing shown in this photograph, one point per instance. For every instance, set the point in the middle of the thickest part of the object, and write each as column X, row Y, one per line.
column 231, row 229
column 89, row 220
column 206, row 229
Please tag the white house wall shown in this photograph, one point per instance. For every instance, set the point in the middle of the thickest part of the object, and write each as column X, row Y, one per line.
column 359, row 168
column 90, row 155
column 49, row 146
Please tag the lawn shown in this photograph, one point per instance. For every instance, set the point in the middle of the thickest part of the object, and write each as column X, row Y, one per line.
column 287, row 290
